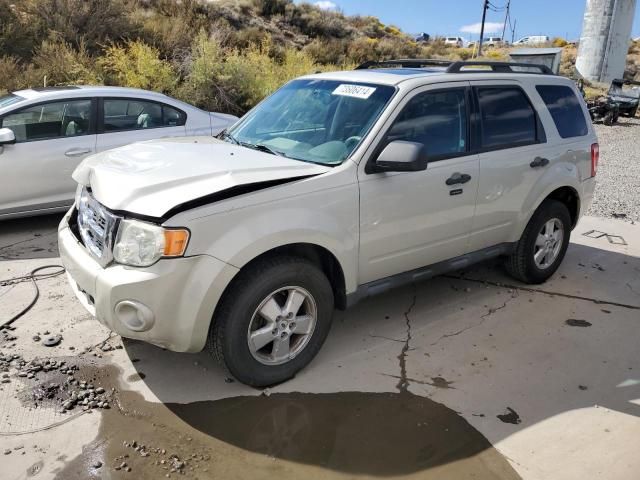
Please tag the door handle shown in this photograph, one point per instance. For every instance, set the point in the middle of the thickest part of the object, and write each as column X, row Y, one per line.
column 539, row 162
column 75, row 152
column 457, row 178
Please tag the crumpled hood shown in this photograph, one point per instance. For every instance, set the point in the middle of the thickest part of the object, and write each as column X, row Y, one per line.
column 151, row 178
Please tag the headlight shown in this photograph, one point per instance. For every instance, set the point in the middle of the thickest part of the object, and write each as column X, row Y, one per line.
column 141, row 244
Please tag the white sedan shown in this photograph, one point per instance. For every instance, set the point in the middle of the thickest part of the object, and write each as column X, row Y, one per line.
column 46, row 132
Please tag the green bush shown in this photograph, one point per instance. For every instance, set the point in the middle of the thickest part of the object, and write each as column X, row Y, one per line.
column 91, row 23
column 56, row 62
column 10, row 74
column 202, row 86
column 559, row 42
column 137, row 65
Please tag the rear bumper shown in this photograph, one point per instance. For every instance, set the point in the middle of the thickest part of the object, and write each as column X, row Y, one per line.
column 177, row 296
column 588, row 189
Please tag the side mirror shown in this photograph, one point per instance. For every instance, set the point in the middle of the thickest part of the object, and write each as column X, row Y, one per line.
column 7, row 136
column 401, row 156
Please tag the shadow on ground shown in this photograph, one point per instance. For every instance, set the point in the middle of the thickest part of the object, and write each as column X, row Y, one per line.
column 29, row 238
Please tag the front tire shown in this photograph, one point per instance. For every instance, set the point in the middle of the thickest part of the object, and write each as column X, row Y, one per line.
column 273, row 320
column 542, row 247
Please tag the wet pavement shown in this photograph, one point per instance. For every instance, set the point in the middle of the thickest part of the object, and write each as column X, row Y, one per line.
column 471, row 375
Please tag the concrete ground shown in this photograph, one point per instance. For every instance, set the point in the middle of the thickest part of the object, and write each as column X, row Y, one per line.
column 471, row 375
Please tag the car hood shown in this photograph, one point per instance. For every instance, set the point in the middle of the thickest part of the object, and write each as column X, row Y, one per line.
column 153, row 178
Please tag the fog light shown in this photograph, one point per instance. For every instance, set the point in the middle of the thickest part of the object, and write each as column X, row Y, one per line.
column 135, row 315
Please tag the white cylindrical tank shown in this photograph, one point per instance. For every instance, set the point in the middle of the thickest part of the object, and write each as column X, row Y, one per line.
column 606, row 32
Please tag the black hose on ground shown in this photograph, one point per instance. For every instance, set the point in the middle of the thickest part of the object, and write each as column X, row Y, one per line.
column 33, row 277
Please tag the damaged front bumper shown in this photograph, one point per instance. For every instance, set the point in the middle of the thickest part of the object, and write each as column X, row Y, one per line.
column 169, row 304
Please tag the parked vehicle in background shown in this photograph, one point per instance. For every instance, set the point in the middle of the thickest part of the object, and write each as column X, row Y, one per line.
column 455, row 41
column 338, row 186
column 494, row 42
column 533, row 40
column 626, row 98
column 46, row 132
column 423, row 37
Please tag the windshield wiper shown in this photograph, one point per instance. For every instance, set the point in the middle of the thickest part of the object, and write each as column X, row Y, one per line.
column 262, row 148
column 224, row 134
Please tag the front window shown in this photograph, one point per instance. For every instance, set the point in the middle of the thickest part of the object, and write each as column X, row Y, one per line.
column 436, row 119
column 68, row 118
column 319, row 121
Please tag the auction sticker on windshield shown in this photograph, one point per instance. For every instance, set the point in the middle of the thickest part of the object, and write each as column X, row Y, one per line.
column 358, row 91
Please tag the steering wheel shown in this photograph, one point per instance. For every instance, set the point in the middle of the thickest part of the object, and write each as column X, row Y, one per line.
column 351, row 142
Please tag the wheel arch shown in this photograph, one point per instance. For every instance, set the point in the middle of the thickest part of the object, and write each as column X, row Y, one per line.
column 566, row 194
column 320, row 256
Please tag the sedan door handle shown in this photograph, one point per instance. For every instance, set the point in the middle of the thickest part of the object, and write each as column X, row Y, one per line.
column 539, row 162
column 75, row 152
column 457, row 178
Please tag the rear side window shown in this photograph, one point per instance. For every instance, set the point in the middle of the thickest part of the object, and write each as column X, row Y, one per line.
column 565, row 109
column 508, row 119
column 134, row 114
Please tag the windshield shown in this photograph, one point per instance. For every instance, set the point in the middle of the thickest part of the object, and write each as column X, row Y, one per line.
column 10, row 99
column 319, row 121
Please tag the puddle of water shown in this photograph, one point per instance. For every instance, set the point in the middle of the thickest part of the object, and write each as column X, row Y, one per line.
column 292, row 436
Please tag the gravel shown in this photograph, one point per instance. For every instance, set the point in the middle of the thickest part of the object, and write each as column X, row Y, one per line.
column 618, row 180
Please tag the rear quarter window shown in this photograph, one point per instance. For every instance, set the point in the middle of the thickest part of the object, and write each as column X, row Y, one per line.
column 565, row 109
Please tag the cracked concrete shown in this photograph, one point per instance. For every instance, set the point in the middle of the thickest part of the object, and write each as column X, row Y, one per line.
column 475, row 345
column 403, row 382
column 491, row 311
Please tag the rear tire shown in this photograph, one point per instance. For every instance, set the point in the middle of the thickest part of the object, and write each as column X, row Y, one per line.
column 258, row 334
column 541, row 249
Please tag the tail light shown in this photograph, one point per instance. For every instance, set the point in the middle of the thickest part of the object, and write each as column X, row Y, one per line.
column 595, row 157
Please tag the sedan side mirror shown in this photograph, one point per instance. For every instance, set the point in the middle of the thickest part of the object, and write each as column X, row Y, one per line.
column 7, row 136
column 401, row 156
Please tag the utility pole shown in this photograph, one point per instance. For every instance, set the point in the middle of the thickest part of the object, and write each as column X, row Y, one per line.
column 506, row 17
column 484, row 17
column 513, row 31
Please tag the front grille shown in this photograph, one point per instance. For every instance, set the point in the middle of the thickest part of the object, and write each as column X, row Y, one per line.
column 97, row 227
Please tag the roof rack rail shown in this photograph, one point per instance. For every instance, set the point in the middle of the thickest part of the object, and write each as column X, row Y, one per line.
column 406, row 63
column 499, row 67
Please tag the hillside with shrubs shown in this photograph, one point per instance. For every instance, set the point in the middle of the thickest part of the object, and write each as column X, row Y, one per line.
column 223, row 55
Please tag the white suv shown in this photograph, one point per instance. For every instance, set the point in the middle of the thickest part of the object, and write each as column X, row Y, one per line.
column 336, row 187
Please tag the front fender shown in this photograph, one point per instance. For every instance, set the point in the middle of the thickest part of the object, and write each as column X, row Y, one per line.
column 328, row 220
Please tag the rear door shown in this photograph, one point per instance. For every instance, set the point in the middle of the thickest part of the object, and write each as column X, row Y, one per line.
column 126, row 120
column 514, row 154
column 51, row 140
column 414, row 219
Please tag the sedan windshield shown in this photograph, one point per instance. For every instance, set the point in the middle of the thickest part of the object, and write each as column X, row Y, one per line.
column 10, row 99
column 319, row 121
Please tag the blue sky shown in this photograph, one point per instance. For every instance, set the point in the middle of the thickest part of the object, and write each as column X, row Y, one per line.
column 561, row 18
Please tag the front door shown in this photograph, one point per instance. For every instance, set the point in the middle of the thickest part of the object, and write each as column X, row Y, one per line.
column 414, row 219
column 51, row 140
